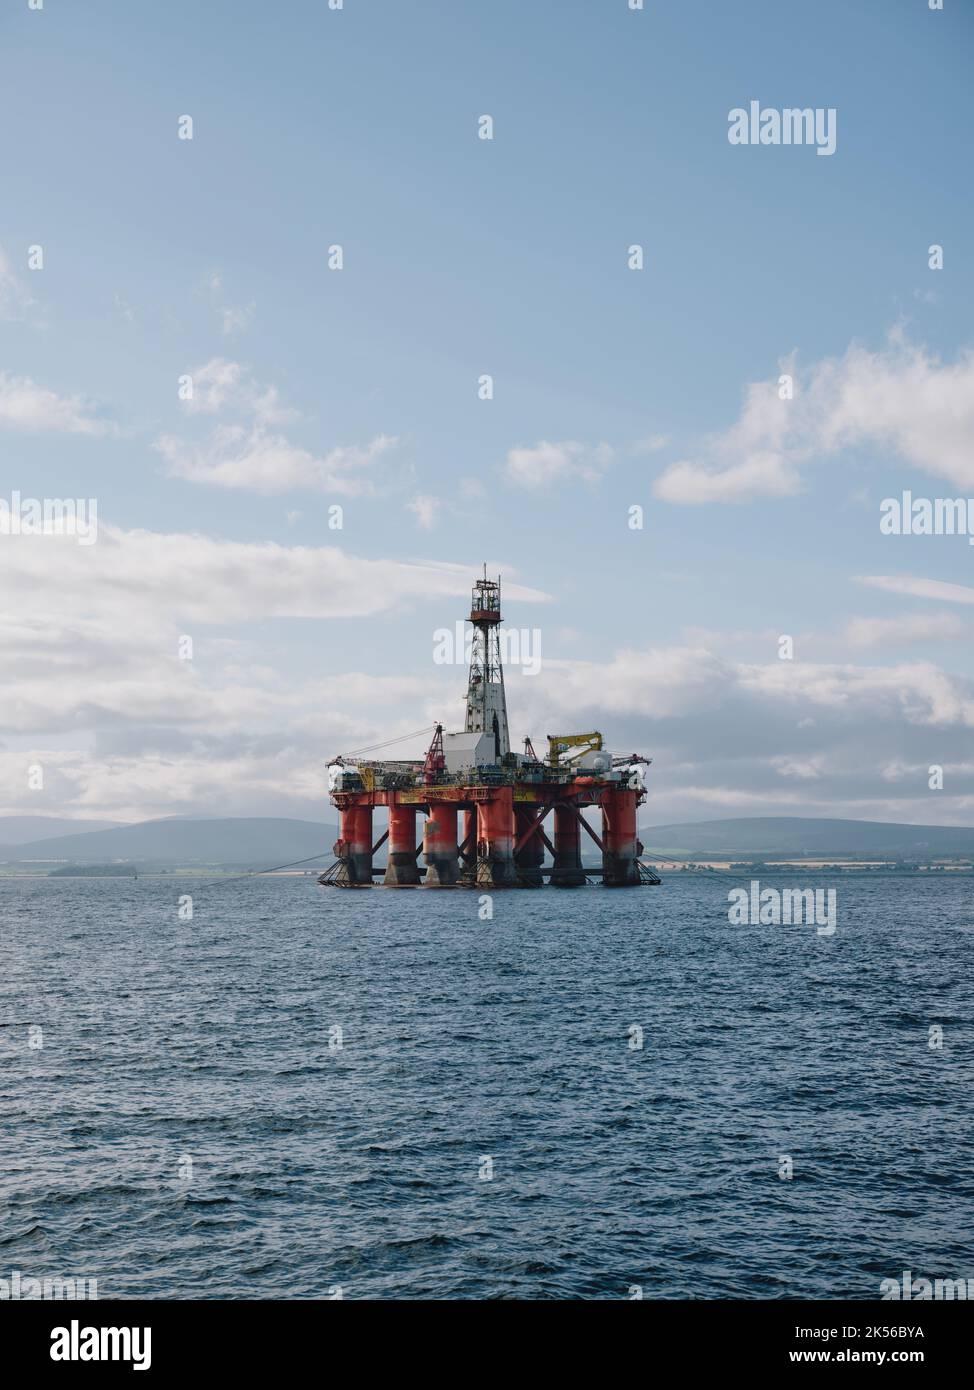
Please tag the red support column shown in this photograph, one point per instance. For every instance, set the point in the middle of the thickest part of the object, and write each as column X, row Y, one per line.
column 440, row 846
column 402, row 871
column 495, row 840
column 468, row 837
column 355, row 839
column 620, row 867
column 567, row 871
column 530, row 857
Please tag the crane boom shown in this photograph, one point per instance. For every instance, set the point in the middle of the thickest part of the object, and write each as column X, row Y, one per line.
column 581, row 743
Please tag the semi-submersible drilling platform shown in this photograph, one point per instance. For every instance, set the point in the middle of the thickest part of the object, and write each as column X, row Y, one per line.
column 485, row 806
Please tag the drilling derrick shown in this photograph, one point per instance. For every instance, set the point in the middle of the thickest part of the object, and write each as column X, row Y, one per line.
column 486, row 705
column 484, row 806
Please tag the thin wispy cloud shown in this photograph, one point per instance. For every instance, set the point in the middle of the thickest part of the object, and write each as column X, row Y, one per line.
column 918, row 588
column 15, row 298
column 233, row 318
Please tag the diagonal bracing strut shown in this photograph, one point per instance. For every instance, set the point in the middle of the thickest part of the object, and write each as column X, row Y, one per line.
column 526, row 834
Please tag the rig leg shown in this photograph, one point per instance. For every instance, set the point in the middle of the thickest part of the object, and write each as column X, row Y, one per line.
column 495, row 841
column 530, row 857
column 440, row 847
column 620, row 859
column 567, row 871
column 468, row 858
column 355, row 839
column 402, row 871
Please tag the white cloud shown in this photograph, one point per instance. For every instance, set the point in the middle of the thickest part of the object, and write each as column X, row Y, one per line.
column 656, row 682
column 651, row 444
column 234, row 318
column 238, row 456
column 124, row 307
column 15, row 298
column 896, row 632
column 98, row 695
column 902, row 399
column 247, row 453
column 545, row 463
column 220, row 385
column 425, row 509
column 759, row 475
column 133, row 576
column 662, row 683
column 800, row 738
column 96, row 632
column 918, row 692
column 803, row 769
column 26, row 406
column 123, row 728
column 918, row 588
column 216, row 384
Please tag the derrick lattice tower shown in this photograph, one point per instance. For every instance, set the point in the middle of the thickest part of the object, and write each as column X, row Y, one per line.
column 486, row 703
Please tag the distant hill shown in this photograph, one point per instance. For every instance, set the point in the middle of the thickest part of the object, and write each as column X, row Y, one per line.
column 94, row 871
column 760, row 836
column 248, row 841
column 20, row 830
column 260, row 842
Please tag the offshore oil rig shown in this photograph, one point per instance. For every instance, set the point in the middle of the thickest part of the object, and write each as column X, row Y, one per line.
column 484, row 805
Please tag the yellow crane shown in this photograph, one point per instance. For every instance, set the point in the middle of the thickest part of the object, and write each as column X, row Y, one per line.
column 581, row 743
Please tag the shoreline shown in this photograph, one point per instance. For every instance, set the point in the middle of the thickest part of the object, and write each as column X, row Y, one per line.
column 689, row 867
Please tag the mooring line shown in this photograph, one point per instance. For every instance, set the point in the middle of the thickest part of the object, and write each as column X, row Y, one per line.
column 256, row 873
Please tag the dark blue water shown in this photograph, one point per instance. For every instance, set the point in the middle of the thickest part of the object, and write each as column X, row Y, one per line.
column 186, row 1130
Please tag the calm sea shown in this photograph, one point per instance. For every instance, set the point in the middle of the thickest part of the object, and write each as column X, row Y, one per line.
column 304, row 1090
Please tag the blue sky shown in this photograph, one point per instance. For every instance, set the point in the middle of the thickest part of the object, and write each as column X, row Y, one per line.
column 464, row 256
